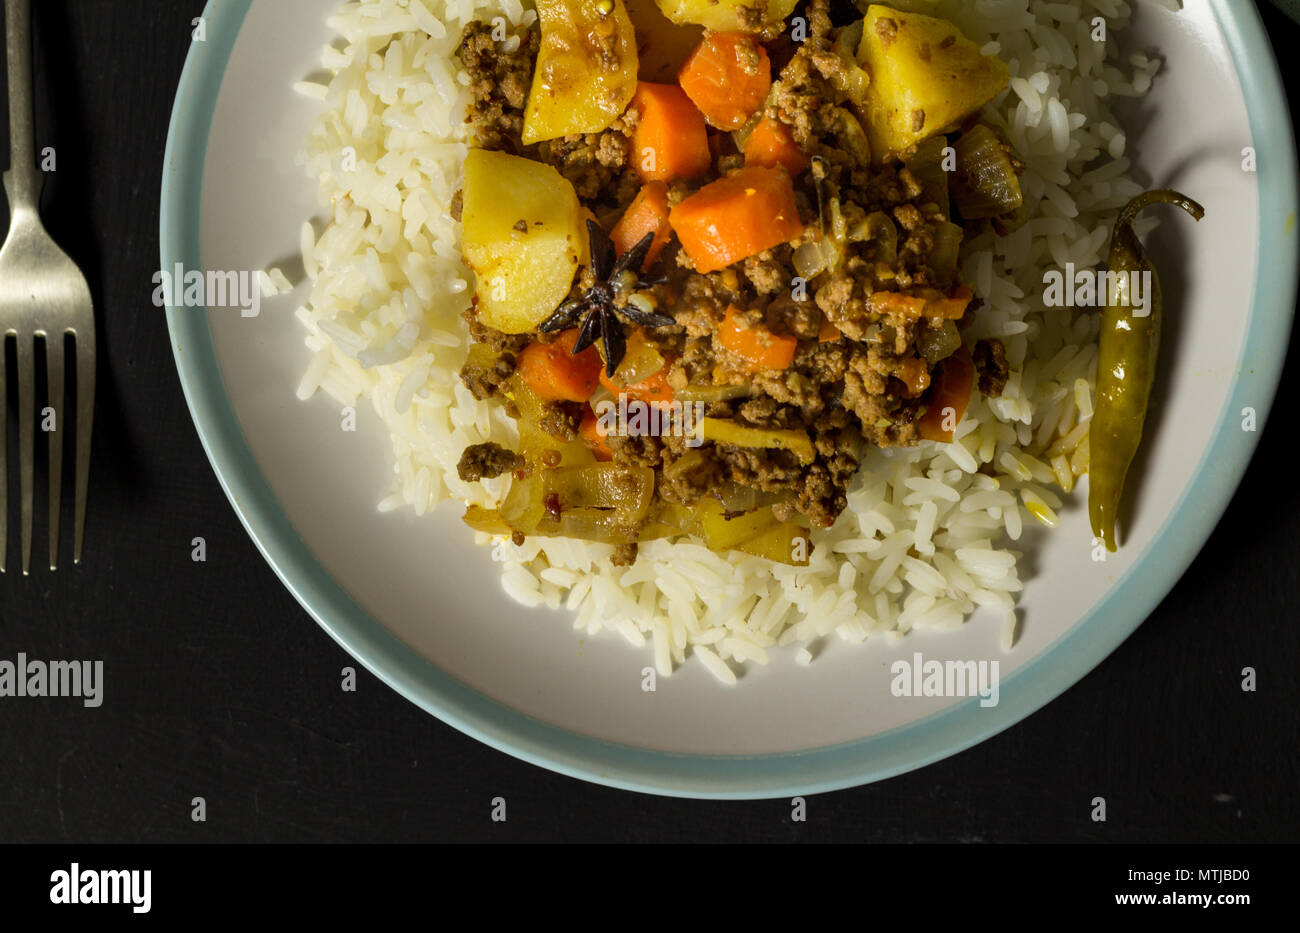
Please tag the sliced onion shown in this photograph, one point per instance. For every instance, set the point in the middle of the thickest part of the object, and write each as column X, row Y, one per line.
column 834, row 244
column 985, row 183
column 640, row 361
column 839, row 230
column 943, row 255
column 881, row 232
column 741, row 136
column 737, row 498
column 601, row 394
column 852, row 136
column 935, row 344
column 642, row 303
column 852, row 80
column 691, row 459
column 832, row 255
column 706, row 393
column 926, row 165
column 809, row 260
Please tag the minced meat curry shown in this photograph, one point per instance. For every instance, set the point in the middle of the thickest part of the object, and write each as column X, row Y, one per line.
column 703, row 300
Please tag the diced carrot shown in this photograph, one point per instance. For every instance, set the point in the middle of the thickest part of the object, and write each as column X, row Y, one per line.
column 927, row 302
column 590, row 432
column 670, row 140
column 771, row 144
column 737, row 216
column 757, row 346
column 828, row 332
column 728, row 77
column 951, row 307
column 896, row 303
column 555, row 374
column 950, row 397
column 648, row 213
column 653, row 390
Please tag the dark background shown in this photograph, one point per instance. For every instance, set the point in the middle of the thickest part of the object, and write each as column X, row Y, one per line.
column 219, row 685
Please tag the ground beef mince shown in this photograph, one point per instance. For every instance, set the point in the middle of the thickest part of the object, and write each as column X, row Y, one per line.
column 799, row 317
column 991, row 363
column 752, row 18
column 597, row 164
column 703, row 301
column 498, row 85
column 484, row 375
column 801, row 95
column 485, row 380
column 561, row 419
column 689, row 473
column 494, row 339
column 769, row 271
column 486, row 461
column 636, row 450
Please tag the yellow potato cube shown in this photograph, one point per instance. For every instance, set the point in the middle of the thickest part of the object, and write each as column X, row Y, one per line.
column 586, row 68
column 523, row 235
column 925, row 78
column 662, row 46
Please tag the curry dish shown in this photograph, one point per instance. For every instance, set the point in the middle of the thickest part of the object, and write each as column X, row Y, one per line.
column 741, row 224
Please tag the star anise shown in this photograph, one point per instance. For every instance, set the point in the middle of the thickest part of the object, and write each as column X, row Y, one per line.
column 615, row 278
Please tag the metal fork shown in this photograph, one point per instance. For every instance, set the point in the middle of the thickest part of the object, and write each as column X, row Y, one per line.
column 42, row 295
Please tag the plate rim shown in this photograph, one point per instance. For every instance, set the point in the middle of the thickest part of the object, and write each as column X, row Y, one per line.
column 1087, row 643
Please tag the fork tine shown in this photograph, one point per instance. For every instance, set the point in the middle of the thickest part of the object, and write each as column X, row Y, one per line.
column 26, row 354
column 85, row 350
column 4, row 452
column 54, row 372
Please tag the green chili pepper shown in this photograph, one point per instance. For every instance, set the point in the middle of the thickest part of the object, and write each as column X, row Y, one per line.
column 1128, row 347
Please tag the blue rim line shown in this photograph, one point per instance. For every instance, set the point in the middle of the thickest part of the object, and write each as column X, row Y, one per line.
column 880, row 756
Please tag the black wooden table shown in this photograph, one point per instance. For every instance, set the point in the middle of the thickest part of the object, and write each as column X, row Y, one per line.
column 219, row 686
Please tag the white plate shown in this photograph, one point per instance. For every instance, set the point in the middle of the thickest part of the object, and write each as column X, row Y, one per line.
column 422, row 607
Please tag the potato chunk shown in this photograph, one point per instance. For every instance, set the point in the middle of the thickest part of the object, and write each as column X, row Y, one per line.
column 586, row 68
column 925, row 77
column 522, row 235
column 729, row 15
column 662, row 46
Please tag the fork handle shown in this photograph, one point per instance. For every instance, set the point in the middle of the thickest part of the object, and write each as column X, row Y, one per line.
column 23, row 181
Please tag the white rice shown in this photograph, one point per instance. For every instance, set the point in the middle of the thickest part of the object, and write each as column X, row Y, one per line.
column 925, row 539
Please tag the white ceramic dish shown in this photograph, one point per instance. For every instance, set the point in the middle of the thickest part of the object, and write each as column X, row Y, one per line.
column 420, row 606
